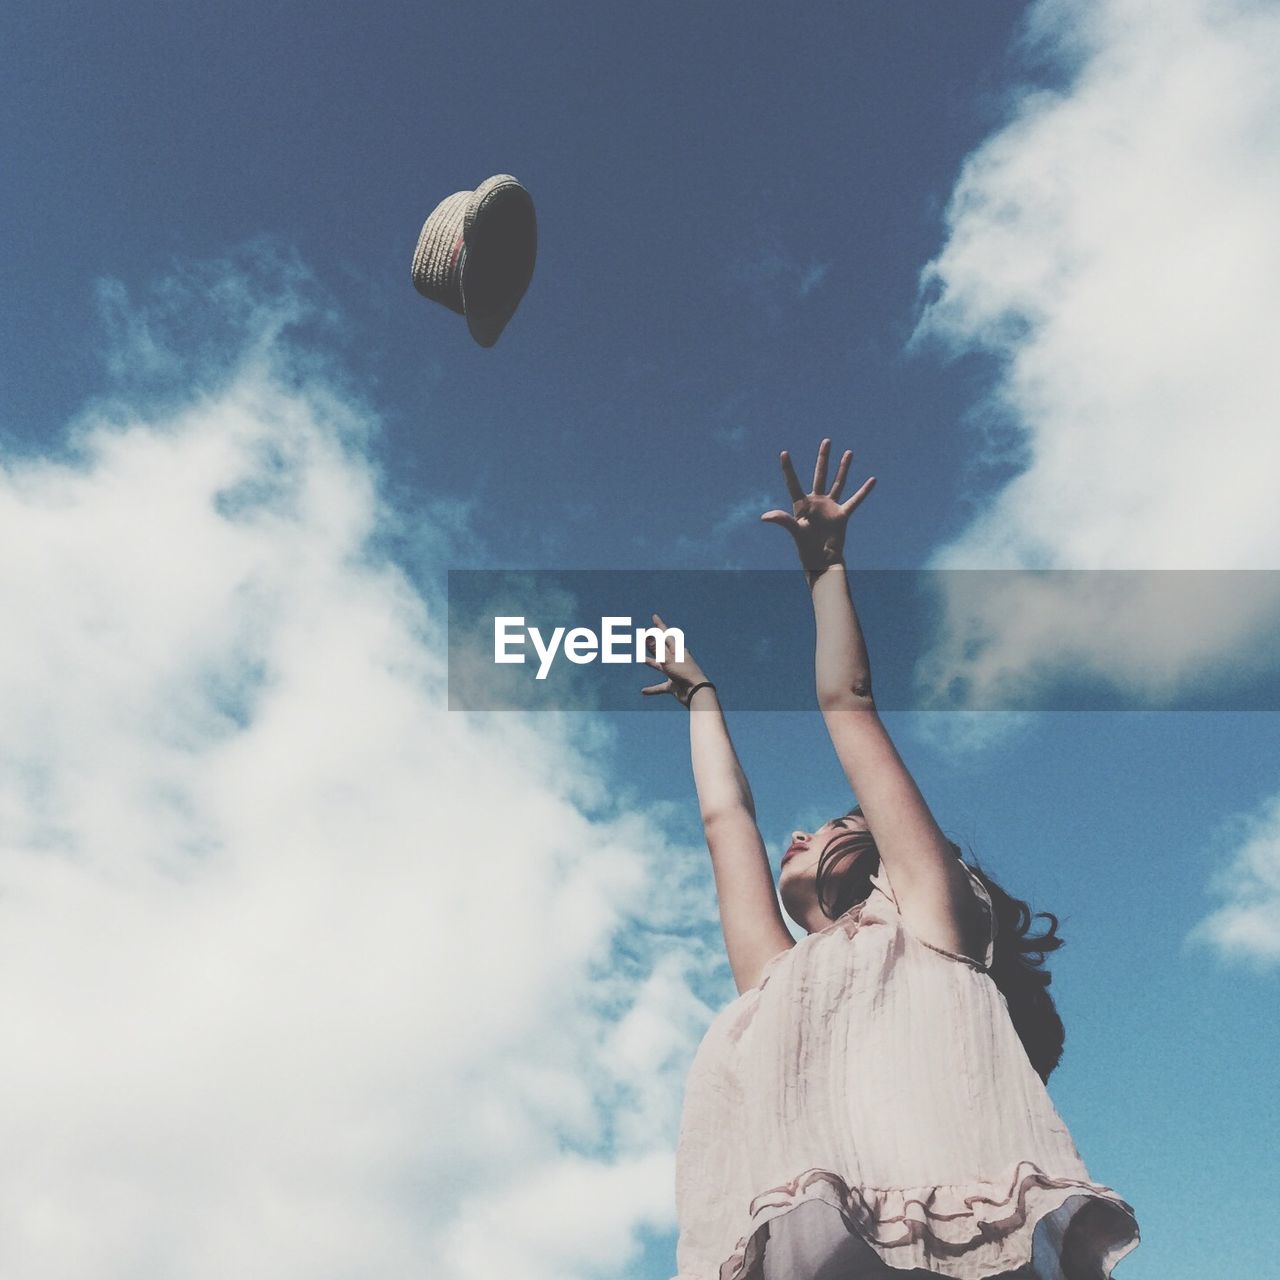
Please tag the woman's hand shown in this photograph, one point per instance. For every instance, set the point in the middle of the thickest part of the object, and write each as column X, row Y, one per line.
column 681, row 676
column 819, row 519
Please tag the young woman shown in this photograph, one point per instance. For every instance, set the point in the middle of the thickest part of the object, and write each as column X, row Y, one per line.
column 873, row 1102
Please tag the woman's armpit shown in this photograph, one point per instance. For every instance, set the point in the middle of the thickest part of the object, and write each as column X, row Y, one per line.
column 975, row 928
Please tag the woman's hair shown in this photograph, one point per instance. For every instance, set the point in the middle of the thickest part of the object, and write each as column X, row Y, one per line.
column 1017, row 966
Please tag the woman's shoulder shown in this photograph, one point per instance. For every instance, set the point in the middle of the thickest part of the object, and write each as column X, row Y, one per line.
column 979, row 924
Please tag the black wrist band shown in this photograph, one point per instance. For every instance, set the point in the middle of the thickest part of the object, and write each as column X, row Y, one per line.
column 704, row 684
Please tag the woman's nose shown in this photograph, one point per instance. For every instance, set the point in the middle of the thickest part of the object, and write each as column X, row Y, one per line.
column 799, row 836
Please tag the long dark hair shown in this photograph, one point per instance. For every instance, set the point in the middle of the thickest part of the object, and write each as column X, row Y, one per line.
column 1017, row 966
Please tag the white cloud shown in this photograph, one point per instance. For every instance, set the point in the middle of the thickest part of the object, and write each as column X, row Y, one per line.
column 304, row 976
column 1114, row 247
column 1247, row 925
column 1006, row 638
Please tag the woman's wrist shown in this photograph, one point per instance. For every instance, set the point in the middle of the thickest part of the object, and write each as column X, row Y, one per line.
column 701, row 684
column 813, row 572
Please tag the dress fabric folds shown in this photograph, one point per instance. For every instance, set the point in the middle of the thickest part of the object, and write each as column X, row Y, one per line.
column 867, row 1112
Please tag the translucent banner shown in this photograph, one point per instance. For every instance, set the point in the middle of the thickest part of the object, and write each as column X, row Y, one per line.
column 938, row 640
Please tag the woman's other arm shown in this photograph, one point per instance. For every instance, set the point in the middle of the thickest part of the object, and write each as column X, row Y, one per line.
column 932, row 889
column 754, row 930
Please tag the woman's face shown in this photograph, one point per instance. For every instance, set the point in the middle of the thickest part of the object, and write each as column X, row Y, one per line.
column 801, row 860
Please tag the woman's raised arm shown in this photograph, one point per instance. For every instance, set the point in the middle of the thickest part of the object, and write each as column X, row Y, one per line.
column 754, row 930
column 933, row 891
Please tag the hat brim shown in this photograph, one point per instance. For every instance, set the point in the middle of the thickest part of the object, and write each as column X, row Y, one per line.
column 501, row 249
column 486, row 330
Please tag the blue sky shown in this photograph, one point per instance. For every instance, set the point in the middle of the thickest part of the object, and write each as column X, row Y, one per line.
column 997, row 249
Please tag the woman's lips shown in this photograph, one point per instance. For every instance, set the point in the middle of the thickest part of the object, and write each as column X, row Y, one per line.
column 795, row 848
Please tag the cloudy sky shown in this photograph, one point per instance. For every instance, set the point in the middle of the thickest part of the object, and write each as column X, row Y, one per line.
column 304, row 975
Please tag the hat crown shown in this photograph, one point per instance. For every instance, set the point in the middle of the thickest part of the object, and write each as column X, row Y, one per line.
column 437, row 260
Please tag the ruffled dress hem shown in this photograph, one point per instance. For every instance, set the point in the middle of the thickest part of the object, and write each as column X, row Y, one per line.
column 966, row 1232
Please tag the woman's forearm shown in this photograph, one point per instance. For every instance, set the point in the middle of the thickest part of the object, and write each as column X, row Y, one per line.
column 842, row 670
column 717, row 774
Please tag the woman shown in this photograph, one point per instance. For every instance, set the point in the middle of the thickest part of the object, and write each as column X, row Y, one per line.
column 873, row 1103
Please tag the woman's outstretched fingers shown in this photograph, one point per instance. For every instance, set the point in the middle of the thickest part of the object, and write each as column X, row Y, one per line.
column 858, row 497
column 658, row 622
column 668, row 684
column 784, row 518
column 789, row 474
column 820, row 467
column 841, row 472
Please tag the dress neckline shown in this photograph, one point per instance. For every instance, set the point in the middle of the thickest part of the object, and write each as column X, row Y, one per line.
column 879, row 884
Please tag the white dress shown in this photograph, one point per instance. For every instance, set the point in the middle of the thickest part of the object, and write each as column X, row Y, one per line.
column 881, row 1077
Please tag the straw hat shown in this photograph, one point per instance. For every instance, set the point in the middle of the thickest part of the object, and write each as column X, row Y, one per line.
column 476, row 252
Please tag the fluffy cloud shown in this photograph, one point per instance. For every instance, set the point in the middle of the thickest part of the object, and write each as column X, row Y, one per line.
column 1247, row 925
column 304, row 976
column 1113, row 247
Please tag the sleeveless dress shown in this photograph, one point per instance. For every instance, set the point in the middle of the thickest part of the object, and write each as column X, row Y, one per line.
column 873, row 1085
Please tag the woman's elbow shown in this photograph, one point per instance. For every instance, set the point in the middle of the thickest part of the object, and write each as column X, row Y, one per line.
column 715, row 817
column 847, row 698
